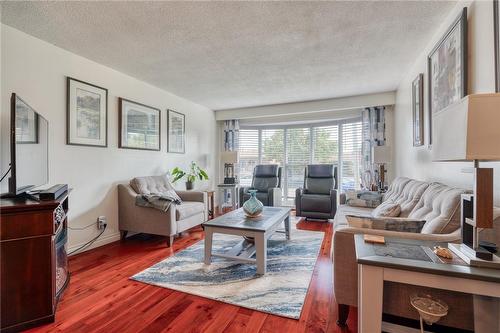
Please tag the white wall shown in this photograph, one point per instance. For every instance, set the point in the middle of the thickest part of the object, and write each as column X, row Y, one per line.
column 416, row 161
column 37, row 71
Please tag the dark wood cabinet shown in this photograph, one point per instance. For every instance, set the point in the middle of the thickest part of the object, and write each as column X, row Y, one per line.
column 34, row 264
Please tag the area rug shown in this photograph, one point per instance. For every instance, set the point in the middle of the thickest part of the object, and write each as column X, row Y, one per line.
column 281, row 291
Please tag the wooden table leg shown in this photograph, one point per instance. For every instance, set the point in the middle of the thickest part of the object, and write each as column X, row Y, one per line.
column 208, row 245
column 370, row 297
column 261, row 253
column 287, row 227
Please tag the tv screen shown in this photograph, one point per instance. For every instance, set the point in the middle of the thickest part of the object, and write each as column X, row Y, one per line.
column 28, row 147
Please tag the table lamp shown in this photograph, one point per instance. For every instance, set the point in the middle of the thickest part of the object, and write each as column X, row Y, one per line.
column 229, row 159
column 469, row 130
column 381, row 156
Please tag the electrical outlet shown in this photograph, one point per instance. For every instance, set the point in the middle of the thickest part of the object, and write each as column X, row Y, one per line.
column 102, row 222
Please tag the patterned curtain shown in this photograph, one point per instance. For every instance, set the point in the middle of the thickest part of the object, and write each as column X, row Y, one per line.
column 231, row 135
column 373, row 135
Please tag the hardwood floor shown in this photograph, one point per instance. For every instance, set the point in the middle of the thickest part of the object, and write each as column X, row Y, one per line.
column 101, row 298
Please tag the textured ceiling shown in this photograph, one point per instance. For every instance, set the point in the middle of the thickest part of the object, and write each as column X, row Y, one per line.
column 237, row 54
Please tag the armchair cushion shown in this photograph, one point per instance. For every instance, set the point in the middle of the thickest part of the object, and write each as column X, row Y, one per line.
column 319, row 178
column 386, row 223
column 188, row 209
column 153, row 185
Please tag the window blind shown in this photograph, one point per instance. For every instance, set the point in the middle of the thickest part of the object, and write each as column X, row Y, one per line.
column 326, row 144
column 273, row 146
column 249, row 154
column 351, row 156
column 298, row 154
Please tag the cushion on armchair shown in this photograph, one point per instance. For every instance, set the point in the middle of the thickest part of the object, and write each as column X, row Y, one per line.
column 402, row 224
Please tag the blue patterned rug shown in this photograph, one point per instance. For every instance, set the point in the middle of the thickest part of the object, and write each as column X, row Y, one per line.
column 281, row 291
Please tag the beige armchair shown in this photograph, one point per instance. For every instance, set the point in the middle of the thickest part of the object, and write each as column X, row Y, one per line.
column 178, row 218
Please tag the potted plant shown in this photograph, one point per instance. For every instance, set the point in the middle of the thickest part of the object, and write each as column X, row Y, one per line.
column 195, row 172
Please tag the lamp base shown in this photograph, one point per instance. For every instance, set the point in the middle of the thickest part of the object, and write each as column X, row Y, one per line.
column 470, row 256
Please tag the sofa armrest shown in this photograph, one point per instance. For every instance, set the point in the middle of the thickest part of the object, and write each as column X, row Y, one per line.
column 192, row 196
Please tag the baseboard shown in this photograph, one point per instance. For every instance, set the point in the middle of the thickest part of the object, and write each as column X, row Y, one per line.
column 103, row 240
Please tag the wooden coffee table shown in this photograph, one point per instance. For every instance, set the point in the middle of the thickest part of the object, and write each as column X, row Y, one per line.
column 261, row 228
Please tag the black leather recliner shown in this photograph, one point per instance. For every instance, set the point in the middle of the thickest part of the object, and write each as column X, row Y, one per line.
column 267, row 181
column 318, row 198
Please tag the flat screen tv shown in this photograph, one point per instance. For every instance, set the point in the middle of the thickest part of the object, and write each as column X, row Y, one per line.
column 29, row 166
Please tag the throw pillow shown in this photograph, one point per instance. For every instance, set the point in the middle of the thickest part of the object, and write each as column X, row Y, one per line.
column 401, row 224
column 387, row 209
column 363, row 198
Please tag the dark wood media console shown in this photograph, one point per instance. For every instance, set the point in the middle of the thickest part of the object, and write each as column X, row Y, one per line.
column 34, row 263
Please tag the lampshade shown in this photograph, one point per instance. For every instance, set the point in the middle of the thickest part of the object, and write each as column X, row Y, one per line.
column 381, row 154
column 229, row 157
column 468, row 130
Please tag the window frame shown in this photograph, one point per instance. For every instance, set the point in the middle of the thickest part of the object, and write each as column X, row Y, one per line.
column 310, row 127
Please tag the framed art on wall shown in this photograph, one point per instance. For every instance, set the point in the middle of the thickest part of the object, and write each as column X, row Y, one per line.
column 496, row 19
column 417, row 104
column 176, row 124
column 139, row 125
column 447, row 68
column 87, row 114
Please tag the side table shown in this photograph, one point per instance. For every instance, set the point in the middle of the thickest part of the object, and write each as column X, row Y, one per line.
column 210, row 204
column 233, row 193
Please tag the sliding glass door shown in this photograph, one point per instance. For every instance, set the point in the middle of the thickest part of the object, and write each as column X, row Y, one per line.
column 294, row 147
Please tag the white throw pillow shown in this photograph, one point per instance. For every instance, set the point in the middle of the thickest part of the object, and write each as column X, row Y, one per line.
column 387, row 209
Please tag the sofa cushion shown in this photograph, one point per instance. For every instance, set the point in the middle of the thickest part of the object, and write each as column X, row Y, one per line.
column 396, row 188
column 340, row 220
column 316, row 203
column 363, row 198
column 440, row 207
column 409, row 196
column 188, row 209
column 387, row 209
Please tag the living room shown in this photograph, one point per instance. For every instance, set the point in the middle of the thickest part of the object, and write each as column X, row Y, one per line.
column 250, row 166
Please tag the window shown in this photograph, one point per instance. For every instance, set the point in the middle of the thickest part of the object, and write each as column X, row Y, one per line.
column 249, row 155
column 351, row 156
column 294, row 147
column 298, row 152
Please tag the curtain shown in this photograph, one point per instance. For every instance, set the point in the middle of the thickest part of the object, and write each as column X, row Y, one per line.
column 373, row 135
column 231, row 135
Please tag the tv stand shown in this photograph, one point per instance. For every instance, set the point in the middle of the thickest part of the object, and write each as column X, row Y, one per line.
column 34, row 263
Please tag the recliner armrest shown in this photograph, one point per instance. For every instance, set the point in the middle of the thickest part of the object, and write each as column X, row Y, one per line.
column 274, row 195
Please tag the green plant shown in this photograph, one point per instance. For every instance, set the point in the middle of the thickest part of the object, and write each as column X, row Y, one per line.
column 194, row 172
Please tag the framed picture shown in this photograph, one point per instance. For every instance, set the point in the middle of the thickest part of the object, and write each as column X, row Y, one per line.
column 447, row 68
column 87, row 114
column 496, row 19
column 176, row 132
column 417, row 104
column 26, row 122
column 139, row 125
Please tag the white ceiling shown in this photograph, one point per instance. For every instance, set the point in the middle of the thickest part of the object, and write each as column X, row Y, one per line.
column 238, row 54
